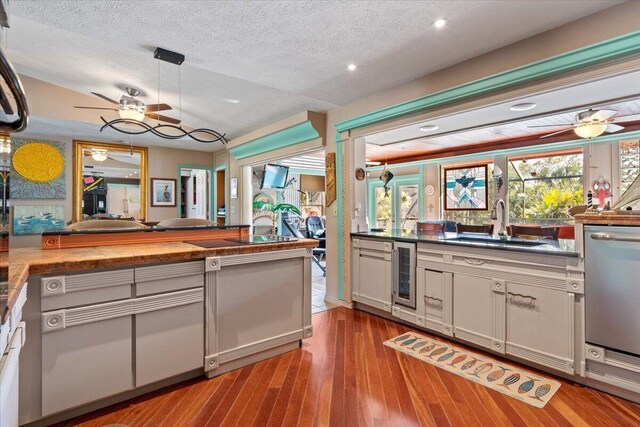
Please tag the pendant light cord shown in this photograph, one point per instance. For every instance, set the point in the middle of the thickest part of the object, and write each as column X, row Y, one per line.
column 180, row 93
column 157, row 105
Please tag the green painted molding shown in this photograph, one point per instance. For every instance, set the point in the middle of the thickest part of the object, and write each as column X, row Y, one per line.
column 607, row 50
column 339, row 214
column 290, row 136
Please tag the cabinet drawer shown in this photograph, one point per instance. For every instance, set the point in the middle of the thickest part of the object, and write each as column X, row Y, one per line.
column 169, row 277
column 86, row 355
column 87, row 288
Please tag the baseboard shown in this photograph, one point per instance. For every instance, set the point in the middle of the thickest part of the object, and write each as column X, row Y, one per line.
column 338, row 302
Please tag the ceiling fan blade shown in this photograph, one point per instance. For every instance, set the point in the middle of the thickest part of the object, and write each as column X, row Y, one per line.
column 552, row 126
column 99, row 95
column 623, row 119
column 157, row 107
column 613, row 128
column 556, row 133
column 163, row 118
column 601, row 115
column 95, row 108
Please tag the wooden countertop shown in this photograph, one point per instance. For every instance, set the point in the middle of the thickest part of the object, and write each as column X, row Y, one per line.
column 18, row 274
column 66, row 260
column 604, row 219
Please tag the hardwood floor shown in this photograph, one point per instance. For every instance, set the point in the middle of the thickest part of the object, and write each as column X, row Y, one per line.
column 344, row 376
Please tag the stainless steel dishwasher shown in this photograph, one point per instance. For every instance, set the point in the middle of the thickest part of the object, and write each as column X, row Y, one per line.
column 612, row 294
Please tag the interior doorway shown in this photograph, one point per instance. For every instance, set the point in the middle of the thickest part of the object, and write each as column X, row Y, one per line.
column 195, row 193
column 288, row 199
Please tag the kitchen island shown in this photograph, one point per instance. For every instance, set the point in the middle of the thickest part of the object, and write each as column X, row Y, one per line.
column 108, row 323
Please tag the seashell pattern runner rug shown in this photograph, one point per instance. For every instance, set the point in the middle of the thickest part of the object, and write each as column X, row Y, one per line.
column 514, row 382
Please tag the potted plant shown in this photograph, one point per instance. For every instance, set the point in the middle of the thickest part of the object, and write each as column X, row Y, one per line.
column 274, row 210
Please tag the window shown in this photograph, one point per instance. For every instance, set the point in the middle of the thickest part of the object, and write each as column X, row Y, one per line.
column 399, row 207
column 629, row 163
column 543, row 187
column 472, row 217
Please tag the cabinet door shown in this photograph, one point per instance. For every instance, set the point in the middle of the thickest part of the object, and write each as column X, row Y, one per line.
column 373, row 273
column 169, row 335
column 86, row 354
column 540, row 325
column 436, row 292
column 478, row 310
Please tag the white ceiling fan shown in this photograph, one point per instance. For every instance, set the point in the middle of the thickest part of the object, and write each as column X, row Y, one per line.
column 592, row 123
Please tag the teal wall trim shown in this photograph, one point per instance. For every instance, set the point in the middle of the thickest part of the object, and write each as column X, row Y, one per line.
column 516, row 151
column 306, row 171
column 211, row 189
column 340, row 210
column 290, row 136
column 615, row 48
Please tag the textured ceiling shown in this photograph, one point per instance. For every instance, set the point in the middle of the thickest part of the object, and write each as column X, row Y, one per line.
column 276, row 58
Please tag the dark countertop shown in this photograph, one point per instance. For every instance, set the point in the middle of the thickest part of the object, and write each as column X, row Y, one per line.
column 562, row 247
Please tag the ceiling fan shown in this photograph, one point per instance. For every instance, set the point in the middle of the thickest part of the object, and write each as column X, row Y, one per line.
column 131, row 108
column 592, row 123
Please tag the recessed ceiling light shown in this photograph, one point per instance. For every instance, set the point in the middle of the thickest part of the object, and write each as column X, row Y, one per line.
column 440, row 23
column 525, row 106
column 428, row 128
column 232, row 101
column 352, row 67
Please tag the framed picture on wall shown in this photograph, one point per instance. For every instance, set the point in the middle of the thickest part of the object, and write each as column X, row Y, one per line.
column 466, row 188
column 163, row 192
column 234, row 188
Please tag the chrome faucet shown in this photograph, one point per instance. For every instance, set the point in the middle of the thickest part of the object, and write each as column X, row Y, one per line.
column 502, row 232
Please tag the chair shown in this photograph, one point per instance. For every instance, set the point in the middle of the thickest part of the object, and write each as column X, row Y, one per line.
column 422, row 227
column 481, row 229
column 185, row 222
column 543, row 232
column 319, row 252
column 105, row 224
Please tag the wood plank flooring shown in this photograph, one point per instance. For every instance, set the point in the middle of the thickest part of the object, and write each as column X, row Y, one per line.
column 344, row 376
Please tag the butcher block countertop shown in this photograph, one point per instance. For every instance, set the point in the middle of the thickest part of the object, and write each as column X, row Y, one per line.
column 604, row 219
column 67, row 260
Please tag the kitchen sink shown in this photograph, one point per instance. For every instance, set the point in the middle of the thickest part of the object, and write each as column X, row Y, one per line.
column 510, row 241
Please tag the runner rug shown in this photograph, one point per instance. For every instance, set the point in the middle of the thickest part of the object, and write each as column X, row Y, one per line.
column 514, row 382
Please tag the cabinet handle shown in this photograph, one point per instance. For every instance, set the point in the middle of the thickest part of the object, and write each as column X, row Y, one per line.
column 426, row 297
column 604, row 236
column 522, row 296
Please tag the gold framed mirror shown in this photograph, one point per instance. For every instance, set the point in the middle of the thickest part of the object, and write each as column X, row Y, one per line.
column 109, row 181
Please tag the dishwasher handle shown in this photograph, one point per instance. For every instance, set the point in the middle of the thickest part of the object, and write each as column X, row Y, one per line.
column 608, row 237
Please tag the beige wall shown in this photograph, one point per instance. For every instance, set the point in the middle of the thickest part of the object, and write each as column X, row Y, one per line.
column 163, row 163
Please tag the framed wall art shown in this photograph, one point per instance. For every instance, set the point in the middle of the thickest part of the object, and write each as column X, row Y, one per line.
column 163, row 192
column 31, row 219
column 466, row 188
column 38, row 170
column 234, row 188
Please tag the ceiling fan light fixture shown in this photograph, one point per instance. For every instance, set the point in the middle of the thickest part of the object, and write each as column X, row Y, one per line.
column 131, row 114
column 99, row 155
column 590, row 130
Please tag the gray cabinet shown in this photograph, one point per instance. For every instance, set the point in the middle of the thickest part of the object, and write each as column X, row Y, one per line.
column 169, row 337
column 372, row 273
column 435, row 300
column 478, row 310
column 86, row 354
column 540, row 325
